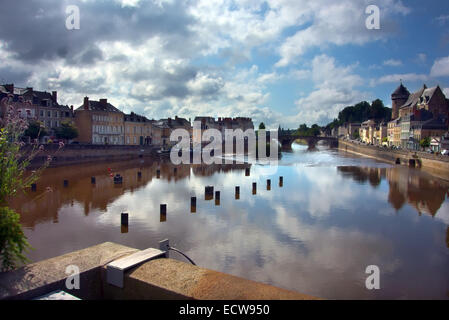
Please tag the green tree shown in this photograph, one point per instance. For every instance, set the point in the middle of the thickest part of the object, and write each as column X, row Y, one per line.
column 35, row 130
column 425, row 143
column 262, row 126
column 14, row 159
column 66, row 131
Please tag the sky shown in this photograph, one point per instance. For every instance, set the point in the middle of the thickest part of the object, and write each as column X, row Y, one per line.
column 281, row 62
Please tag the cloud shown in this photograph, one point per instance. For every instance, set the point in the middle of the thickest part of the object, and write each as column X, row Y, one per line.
column 440, row 68
column 336, row 23
column 393, row 63
column 398, row 77
column 335, row 88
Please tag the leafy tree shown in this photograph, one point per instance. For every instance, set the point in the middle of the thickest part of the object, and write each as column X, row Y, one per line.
column 35, row 130
column 356, row 135
column 13, row 163
column 66, row 131
column 262, row 126
column 425, row 143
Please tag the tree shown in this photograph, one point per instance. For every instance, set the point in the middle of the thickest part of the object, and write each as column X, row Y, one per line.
column 262, row 126
column 425, row 143
column 35, row 130
column 66, row 131
column 356, row 134
column 14, row 160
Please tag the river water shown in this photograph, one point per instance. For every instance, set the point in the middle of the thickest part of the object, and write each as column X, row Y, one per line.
column 335, row 214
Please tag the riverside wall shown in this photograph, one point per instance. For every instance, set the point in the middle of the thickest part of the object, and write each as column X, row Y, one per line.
column 84, row 153
column 436, row 165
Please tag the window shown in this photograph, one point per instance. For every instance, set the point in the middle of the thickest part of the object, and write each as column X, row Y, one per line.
column 48, row 114
column 135, row 141
column 42, row 113
column 127, row 140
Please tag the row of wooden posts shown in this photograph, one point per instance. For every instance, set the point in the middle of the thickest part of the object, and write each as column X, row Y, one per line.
column 208, row 195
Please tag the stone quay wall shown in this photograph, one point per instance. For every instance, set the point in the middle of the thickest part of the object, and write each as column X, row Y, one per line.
column 82, row 153
column 436, row 165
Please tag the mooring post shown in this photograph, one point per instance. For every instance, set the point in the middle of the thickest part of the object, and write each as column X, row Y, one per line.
column 158, row 173
column 209, row 192
column 193, row 204
column 268, row 184
column 33, row 187
column 139, row 174
column 163, row 213
column 281, row 181
column 175, row 171
column 237, row 192
column 93, row 180
column 66, row 183
column 124, row 218
column 254, row 187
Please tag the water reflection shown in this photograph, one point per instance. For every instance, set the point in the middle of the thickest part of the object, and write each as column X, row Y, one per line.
column 425, row 193
column 316, row 231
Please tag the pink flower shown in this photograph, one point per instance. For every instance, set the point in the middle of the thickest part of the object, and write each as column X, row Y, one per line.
column 49, row 158
column 48, row 189
column 61, row 144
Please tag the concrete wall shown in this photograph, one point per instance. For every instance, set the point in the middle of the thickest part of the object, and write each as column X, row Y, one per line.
column 157, row 279
column 433, row 164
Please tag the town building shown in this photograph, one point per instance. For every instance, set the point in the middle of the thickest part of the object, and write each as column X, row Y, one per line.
column 138, row 130
column 36, row 105
column 99, row 122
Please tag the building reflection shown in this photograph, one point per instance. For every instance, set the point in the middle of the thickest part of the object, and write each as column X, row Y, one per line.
column 423, row 192
column 50, row 196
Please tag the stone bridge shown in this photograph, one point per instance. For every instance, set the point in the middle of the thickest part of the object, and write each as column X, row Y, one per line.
column 286, row 140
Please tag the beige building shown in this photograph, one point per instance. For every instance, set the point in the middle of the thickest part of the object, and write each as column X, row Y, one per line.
column 99, row 122
column 138, row 130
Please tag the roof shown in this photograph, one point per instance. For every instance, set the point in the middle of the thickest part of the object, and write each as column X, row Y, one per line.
column 97, row 106
column 432, row 124
column 413, row 99
column 133, row 117
column 401, row 91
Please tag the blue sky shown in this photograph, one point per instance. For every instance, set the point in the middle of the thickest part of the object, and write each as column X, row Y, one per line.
column 284, row 62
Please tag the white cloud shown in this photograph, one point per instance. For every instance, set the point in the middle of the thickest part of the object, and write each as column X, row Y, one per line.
column 398, row 77
column 393, row 63
column 440, row 68
column 446, row 92
column 335, row 88
column 337, row 23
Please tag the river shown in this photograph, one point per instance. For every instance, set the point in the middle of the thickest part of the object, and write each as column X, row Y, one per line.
column 334, row 215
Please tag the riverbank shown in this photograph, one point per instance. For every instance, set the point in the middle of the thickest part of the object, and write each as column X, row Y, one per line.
column 435, row 165
column 80, row 153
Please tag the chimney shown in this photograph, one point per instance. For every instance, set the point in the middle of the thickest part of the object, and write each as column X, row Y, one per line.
column 169, row 121
column 54, row 95
column 104, row 102
column 86, row 103
column 71, row 108
column 9, row 88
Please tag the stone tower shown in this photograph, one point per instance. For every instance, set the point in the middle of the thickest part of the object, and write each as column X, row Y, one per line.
column 398, row 98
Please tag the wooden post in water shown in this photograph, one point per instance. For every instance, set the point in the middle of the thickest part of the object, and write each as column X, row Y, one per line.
column 193, row 204
column 66, row 183
column 209, row 193
column 217, row 198
column 158, row 174
column 254, row 188
column 33, row 187
column 268, row 184
column 175, row 171
column 281, row 182
column 124, row 219
column 93, row 180
column 163, row 217
column 237, row 193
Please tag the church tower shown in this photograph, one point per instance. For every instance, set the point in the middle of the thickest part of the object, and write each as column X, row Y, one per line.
column 398, row 98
